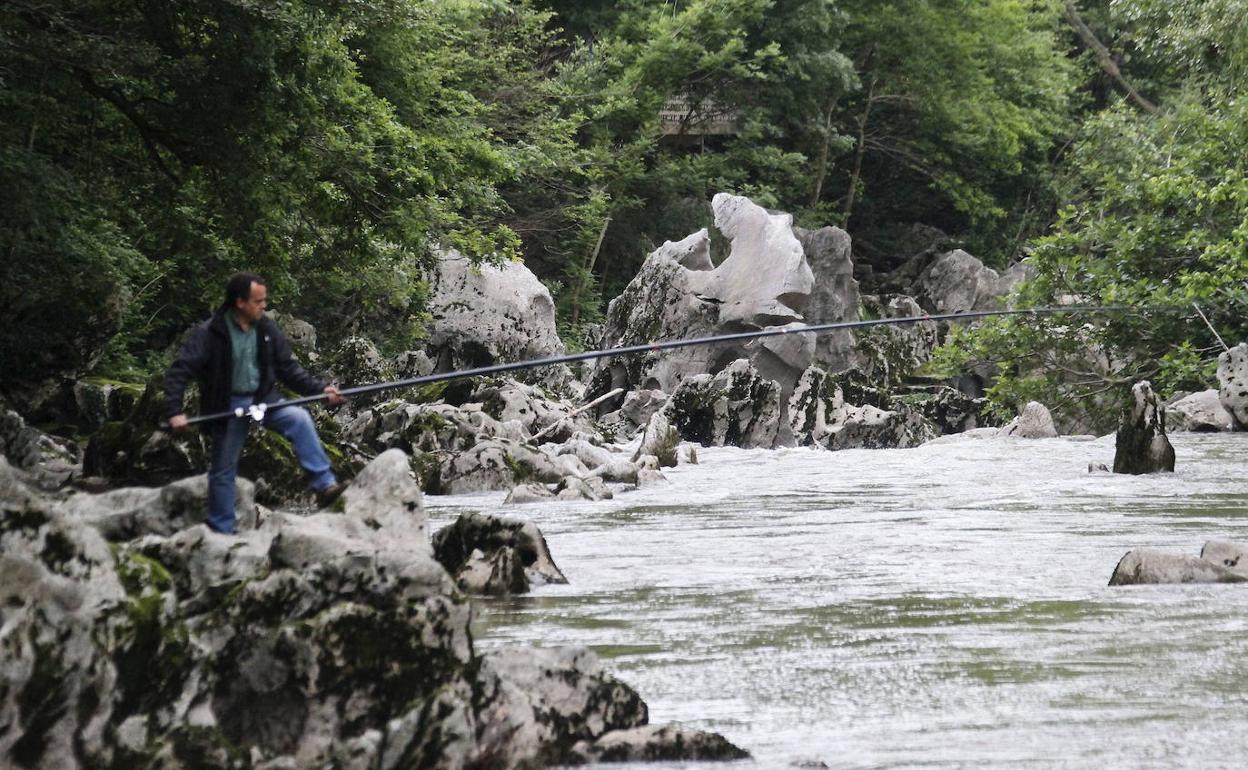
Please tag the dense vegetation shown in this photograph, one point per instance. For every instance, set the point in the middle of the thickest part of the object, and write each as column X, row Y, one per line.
column 148, row 149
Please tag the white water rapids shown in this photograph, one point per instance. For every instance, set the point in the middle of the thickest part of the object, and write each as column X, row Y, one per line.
column 944, row 606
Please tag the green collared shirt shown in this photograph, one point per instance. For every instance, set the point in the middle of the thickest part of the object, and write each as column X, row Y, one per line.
column 245, row 377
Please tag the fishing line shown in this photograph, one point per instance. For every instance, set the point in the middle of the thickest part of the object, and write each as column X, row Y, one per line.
column 258, row 411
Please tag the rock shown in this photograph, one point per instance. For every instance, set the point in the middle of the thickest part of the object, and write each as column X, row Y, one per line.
column 834, row 296
column 89, row 403
column 660, row 441
column 495, row 555
column 736, row 407
column 539, row 698
column 52, row 463
column 648, row 478
column 590, row 488
column 640, row 405
column 765, row 282
column 657, row 743
column 1142, row 445
column 327, row 640
column 522, row 494
column 951, row 411
column 355, row 362
column 1144, row 566
column 590, row 454
column 205, row 565
column 1199, row 413
column 56, row 581
column 956, row 282
column 413, row 363
column 487, row 314
column 820, row 416
column 495, row 464
column 1228, row 555
column 533, row 409
column 618, row 470
column 1233, row 384
column 300, row 334
column 131, row 512
column 1033, row 422
column 889, row 354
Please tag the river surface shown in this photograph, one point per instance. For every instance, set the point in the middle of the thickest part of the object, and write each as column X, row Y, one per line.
column 944, row 606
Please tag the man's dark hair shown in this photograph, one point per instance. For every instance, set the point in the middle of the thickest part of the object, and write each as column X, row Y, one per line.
column 239, row 287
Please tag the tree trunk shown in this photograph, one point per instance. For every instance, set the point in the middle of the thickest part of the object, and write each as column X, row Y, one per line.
column 859, row 152
column 1104, row 59
column 822, row 173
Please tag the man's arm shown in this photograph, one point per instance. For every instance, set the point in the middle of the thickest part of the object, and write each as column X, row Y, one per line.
column 188, row 364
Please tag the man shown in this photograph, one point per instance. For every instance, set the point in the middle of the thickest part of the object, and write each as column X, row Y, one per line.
column 238, row 356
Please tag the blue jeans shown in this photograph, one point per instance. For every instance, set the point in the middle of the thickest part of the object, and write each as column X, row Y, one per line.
column 293, row 422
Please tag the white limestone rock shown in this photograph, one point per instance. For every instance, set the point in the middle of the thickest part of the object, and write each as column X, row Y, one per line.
column 1144, row 566
column 1233, row 384
column 487, row 314
column 1034, row 421
column 1199, row 413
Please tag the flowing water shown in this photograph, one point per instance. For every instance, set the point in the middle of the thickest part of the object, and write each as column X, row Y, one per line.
column 939, row 606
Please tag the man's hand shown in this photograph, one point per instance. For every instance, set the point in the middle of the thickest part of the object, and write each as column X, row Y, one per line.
column 177, row 423
column 333, row 397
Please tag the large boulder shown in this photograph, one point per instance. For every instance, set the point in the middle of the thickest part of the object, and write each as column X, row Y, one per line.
column 819, row 415
column 52, row 462
column 1142, row 445
column 1227, row 554
column 1034, row 421
column 956, row 282
column 657, row 743
column 131, row 512
column 485, row 314
column 1233, row 384
column 834, row 296
column 495, row 555
column 1199, row 413
column 736, row 407
column 1145, row 566
column 765, row 282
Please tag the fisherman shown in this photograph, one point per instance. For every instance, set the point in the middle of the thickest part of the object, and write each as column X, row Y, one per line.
column 238, row 356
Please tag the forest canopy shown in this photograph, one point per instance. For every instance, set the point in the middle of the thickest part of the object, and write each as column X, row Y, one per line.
column 148, row 150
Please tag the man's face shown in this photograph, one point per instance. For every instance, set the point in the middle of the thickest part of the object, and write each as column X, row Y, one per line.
column 252, row 308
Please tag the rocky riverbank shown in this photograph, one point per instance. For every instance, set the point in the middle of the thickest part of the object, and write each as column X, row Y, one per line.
column 134, row 636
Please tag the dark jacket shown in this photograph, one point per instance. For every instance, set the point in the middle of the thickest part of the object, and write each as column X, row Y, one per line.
column 206, row 357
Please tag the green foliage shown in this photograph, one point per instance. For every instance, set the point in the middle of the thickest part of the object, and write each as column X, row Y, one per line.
column 1154, row 216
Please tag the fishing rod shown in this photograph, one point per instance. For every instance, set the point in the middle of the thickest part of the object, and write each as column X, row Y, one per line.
column 258, row 411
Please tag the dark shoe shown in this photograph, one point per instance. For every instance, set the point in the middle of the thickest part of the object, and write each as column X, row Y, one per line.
column 325, row 497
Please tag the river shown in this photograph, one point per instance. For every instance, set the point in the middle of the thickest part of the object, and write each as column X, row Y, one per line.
column 943, row 606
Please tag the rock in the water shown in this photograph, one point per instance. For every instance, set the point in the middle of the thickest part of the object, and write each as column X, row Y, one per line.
column 736, row 407
column 1233, row 384
column 495, row 555
column 1143, row 566
column 1199, row 413
column 657, row 743
column 820, row 416
column 660, row 441
column 1227, row 554
column 1033, row 422
column 522, row 494
column 1142, row 445
column 539, row 698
